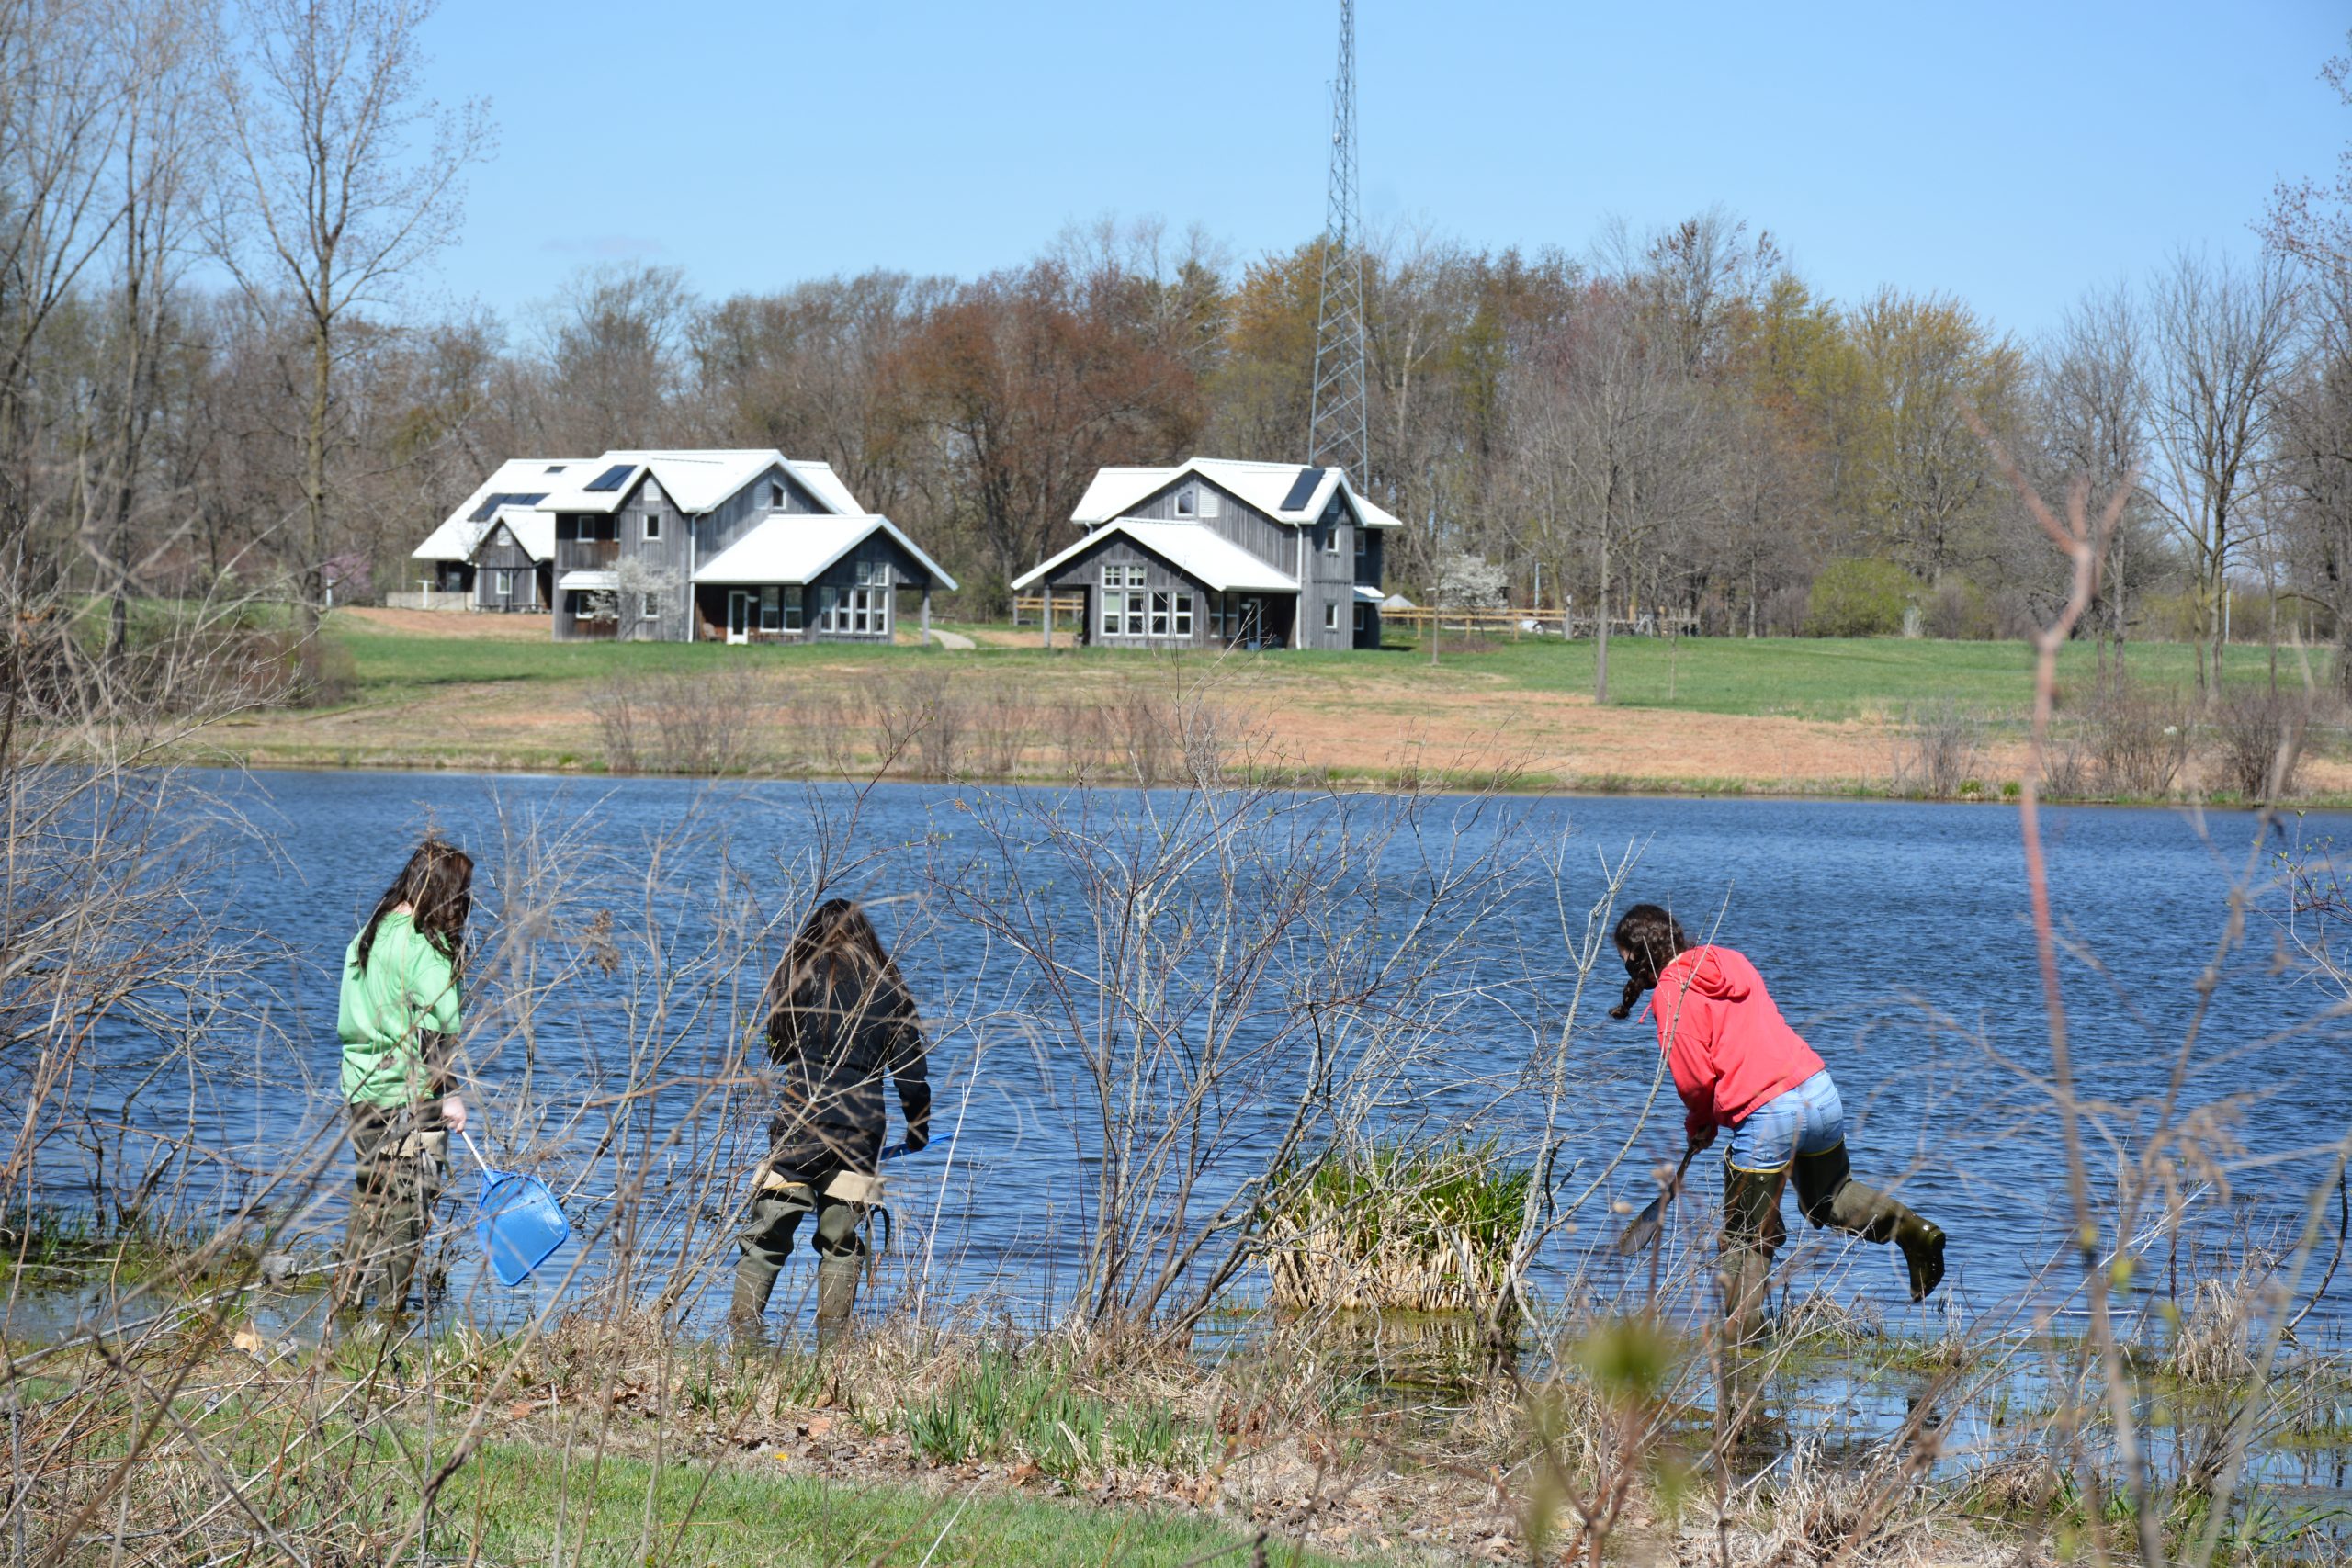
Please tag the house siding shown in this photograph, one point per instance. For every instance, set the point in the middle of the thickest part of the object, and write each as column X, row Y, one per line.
column 1081, row 575
column 1236, row 520
column 501, row 552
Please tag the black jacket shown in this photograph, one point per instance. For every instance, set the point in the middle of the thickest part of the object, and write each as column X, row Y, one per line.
column 832, row 1050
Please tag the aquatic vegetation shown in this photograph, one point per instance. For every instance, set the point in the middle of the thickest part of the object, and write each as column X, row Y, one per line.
column 1396, row 1228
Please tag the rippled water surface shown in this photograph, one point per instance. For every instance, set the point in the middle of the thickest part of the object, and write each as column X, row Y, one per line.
column 1894, row 935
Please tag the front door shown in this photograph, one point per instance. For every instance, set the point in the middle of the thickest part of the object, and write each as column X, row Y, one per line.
column 742, row 608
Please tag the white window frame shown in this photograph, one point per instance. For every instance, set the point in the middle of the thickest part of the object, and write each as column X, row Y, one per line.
column 1182, row 620
column 770, row 617
column 1331, row 617
column 506, row 582
column 649, row 606
column 1115, row 605
column 1188, row 503
column 1159, row 607
column 653, row 525
column 1332, row 538
column 776, row 495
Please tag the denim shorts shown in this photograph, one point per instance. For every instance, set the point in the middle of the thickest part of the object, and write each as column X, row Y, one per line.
column 1806, row 1120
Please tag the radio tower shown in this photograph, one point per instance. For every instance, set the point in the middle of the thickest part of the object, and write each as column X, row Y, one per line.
column 1337, row 433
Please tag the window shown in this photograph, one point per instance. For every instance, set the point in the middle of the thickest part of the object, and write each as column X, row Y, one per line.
column 1330, row 538
column 653, row 525
column 1188, row 503
column 1160, row 615
column 1359, row 620
column 792, row 609
column 1363, row 534
column 1331, row 617
column 1183, row 615
column 649, row 606
column 505, row 583
column 776, row 494
column 770, row 609
column 1114, row 605
column 855, row 612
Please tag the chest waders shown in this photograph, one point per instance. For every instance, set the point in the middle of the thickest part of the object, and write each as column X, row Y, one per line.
column 841, row 1201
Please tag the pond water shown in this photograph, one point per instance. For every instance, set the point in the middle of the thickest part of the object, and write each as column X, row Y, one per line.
column 1893, row 936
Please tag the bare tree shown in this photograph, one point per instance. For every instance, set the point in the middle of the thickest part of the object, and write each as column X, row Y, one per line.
column 159, row 163
column 2314, row 467
column 1616, row 418
column 2091, row 414
column 346, row 178
column 2222, row 341
column 615, row 344
column 61, row 113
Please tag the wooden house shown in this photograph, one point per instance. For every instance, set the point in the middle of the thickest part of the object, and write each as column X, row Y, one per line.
column 1214, row 552
column 494, row 552
column 734, row 546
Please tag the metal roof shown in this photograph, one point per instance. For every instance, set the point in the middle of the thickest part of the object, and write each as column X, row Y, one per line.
column 794, row 548
column 603, row 582
column 1200, row 553
column 460, row 533
column 1281, row 490
column 696, row 480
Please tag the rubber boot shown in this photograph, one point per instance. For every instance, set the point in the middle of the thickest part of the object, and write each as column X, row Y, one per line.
column 747, row 1314
column 1834, row 1200
column 1751, row 1229
column 836, row 1294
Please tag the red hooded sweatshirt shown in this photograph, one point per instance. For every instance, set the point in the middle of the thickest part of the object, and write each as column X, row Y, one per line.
column 1729, row 1047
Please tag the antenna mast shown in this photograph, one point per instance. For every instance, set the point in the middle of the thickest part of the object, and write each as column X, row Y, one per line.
column 1338, row 431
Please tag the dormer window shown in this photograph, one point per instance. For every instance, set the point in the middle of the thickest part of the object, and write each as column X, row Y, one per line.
column 776, row 494
column 1188, row 503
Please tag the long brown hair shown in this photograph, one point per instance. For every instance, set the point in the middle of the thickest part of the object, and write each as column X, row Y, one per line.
column 438, row 886
column 836, row 941
column 1650, row 938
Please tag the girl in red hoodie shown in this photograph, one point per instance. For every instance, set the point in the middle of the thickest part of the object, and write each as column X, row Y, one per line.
column 1737, row 1064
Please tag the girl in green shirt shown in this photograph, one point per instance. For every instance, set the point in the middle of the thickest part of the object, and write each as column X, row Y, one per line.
column 399, row 1015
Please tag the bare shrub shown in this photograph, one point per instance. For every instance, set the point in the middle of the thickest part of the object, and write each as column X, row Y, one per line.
column 614, row 706
column 1939, row 750
column 698, row 725
column 2214, row 1344
column 2258, row 733
column 1083, row 730
column 1001, row 724
column 706, row 723
column 2138, row 738
column 2066, row 767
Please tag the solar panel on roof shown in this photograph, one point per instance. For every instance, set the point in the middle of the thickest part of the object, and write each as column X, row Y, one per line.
column 555, row 468
column 490, row 504
column 612, row 477
column 1302, row 489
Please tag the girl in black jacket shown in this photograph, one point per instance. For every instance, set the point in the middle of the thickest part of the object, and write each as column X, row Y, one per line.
column 839, row 1019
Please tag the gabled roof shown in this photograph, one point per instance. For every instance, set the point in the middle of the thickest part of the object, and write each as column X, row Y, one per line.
column 461, row 532
column 533, row 529
column 794, row 548
column 1285, row 491
column 694, row 480
column 1200, row 553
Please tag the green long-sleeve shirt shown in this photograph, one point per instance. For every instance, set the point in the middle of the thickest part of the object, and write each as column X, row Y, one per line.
column 408, row 986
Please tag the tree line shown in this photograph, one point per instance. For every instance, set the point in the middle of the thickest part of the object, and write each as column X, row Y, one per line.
column 215, row 369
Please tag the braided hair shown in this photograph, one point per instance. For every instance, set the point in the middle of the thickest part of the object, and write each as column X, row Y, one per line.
column 1649, row 939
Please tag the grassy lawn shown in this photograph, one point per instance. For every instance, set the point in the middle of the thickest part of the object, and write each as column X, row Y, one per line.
column 1822, row 678
column 1798, row 677
column 506, row 1509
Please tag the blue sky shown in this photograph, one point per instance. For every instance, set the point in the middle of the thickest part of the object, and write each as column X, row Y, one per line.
column 2011, row 154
